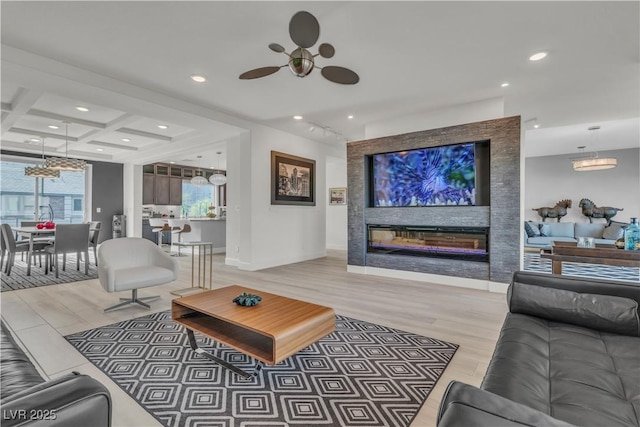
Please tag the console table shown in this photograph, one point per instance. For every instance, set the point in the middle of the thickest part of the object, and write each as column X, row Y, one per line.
column 602, row 254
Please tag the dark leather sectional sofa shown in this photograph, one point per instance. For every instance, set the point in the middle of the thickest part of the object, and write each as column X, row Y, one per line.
column 568, row 354
column 72, row 400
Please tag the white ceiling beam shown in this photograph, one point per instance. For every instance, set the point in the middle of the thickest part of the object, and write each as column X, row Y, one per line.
column 40, row 134
column 111, row 145
column 112, row 126
column 23, row 101
column 6, row 106
column 146, row 134
column 63, row 118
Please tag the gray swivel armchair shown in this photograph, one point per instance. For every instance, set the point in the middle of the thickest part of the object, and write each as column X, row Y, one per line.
column 132, row 263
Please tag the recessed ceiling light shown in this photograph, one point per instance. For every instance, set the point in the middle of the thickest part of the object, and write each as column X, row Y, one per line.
column 125, row 140
column 536, row 126
column 538, row 56
column 350, row 116
column 163, row 127
column 297, row 117
column 81, row 108
column 198, row 78
column 34, row 140
column 99, row 149
column 53, row 127
column 173, row 163
column 505, row 84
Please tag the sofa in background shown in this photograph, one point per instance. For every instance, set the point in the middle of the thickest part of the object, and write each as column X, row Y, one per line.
column 542, row 234
column 568, row 354
column 72, row 400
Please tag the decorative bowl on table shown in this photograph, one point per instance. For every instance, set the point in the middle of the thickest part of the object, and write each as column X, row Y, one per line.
column 247, row 300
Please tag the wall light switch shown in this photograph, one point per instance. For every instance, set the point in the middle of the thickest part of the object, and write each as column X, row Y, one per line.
column 98, row 210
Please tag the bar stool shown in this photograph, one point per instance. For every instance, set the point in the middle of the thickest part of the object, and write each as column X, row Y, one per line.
column 158, row 225
column 179, row 226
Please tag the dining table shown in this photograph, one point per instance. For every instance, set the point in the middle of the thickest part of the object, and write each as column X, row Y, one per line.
column 32, row 233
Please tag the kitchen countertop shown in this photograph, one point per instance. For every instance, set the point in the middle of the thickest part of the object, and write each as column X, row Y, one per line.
column 206, row 219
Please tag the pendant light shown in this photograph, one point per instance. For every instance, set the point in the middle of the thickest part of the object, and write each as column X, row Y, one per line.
column 199, row 180
column 41, row 171
column 65, row 163
column 594, row 163
column 217, row 178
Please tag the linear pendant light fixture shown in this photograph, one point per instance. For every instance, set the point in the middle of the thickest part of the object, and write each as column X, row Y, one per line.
column 65, row 163
column 217, row 178
column 41, row 171
column 594, row 163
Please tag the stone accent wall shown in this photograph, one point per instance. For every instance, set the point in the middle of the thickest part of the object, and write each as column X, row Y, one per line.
column 502, row 216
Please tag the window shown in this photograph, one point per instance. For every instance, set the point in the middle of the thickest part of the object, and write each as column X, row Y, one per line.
column 23, row 198
column 196, row 199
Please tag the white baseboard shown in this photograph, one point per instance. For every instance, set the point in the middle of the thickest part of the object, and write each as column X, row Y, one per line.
column 275, row 262
column 337, row 247
column 463, row 282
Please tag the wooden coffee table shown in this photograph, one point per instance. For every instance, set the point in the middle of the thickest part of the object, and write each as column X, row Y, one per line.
column 270, row 332
column 601, row 254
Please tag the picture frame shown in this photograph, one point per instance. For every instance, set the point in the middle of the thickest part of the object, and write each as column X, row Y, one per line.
column 293, row 180
column 338, row 196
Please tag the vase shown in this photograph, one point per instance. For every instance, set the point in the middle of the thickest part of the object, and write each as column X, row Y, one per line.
column 632, row 236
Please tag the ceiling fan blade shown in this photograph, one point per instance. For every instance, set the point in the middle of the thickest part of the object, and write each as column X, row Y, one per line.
column 340, row 75
column 326, row 50
column 276, row 47
column 304, row 29
column 258, row 72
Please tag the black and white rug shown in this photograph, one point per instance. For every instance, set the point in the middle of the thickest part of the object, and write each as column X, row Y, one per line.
column 19, row 279
column 363, row 374
column 533, row 262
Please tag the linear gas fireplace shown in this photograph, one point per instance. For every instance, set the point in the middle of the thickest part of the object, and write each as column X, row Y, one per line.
column 466, row 243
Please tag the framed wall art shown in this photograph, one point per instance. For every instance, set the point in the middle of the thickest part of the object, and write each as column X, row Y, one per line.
column 338, row 196
column 292, row 180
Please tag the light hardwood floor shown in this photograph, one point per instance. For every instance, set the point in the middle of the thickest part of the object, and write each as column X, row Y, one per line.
column 41, row 317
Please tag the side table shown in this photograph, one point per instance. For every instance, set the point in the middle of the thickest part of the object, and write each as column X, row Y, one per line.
column 202, row 267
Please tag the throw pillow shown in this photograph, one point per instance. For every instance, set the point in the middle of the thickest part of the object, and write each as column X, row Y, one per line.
column 545, row 230
column 615, row 231
column 531, row 229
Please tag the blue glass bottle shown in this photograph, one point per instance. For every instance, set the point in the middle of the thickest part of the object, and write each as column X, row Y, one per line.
column 632, row 236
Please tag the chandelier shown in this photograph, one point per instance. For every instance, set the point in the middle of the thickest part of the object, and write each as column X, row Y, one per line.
column 41, row 171
column 65, row 163
column 217, row 178
column 593, row 163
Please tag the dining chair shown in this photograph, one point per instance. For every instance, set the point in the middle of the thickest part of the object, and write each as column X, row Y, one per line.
column 12, row 247
column 94, row 233
column 46, row 239
column 70, row 238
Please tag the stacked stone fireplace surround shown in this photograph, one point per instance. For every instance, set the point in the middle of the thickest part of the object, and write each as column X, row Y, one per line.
column 501, row 215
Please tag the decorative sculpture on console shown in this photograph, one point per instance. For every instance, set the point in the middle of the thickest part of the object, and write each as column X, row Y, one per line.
column 558, row 211
column 590, row 210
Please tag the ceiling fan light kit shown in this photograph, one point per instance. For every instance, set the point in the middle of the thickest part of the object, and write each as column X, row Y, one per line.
column 304, row 30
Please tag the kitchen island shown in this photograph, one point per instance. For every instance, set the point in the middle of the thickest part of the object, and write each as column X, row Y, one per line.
column 208, row 230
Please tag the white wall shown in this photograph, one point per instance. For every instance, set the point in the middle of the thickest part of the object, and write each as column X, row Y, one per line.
column 432, row 119
column 549, row 179
column 336, row 214
column 132, row 199
column 261, row 235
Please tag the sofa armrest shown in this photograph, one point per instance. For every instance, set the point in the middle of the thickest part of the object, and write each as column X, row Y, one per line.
column 68, row 401
column 464, row 405
column 593, row 304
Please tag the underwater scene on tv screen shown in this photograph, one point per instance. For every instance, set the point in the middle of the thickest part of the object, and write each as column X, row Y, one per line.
column 438, row 176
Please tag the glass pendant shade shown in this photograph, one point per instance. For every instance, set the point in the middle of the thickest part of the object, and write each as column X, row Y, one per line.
column 199, row 181
column 41, row 172
column 594, row 164
column 218, row 179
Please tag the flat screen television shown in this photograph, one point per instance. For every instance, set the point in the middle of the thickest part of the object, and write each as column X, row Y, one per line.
column 435, row 176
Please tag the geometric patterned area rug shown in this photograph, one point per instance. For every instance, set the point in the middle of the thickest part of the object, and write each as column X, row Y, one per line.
column 533, row 262
column 363, row 374
column 19, row 279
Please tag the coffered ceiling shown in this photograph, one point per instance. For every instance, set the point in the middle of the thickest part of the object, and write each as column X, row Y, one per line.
column 130, row 62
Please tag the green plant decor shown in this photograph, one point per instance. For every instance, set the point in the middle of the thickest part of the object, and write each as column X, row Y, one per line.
column 247, row 300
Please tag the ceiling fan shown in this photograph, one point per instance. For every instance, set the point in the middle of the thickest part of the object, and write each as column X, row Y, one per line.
column 305, row 31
